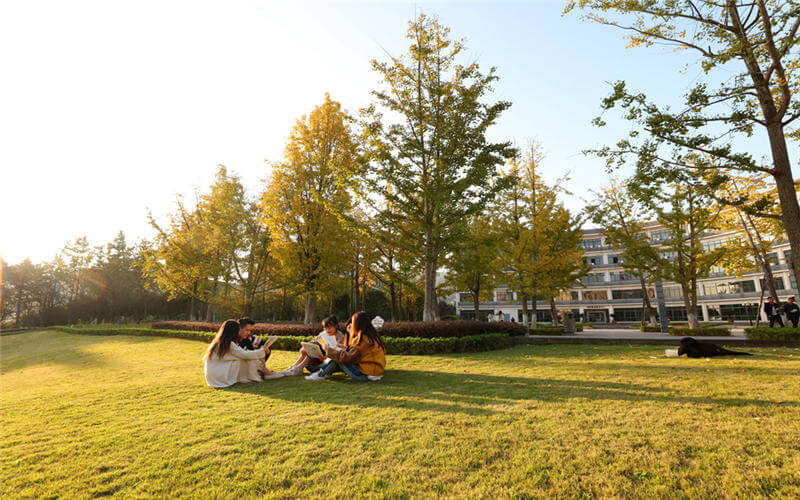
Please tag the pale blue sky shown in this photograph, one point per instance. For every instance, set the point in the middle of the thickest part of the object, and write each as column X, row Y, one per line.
column 109, row 108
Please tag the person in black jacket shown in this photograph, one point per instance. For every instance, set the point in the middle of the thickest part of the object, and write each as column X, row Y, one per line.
column 792, row 311
column 773, row 311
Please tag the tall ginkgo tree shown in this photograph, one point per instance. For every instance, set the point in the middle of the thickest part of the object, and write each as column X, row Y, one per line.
column 431, row 158
column 540, row 252
column 306, row 194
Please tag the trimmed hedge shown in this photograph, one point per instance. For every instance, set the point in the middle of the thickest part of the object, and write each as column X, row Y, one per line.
column 394, row 345
column 703, row 324
column 699, row 332
column 650, row 328
column 766, row 333
column 419, row 329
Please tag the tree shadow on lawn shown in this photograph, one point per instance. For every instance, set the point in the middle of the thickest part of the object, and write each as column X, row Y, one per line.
column 61, row 348
column 470, row 393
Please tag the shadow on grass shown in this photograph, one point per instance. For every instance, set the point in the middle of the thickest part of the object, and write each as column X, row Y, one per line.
column 471, row 393
column 52, row 347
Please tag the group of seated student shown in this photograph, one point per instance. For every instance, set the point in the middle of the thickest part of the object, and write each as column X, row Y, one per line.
column 234, row 355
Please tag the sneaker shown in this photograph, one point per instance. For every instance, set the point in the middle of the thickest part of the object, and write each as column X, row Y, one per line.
column 293, row 371
column 316, row 376
column 271, row 375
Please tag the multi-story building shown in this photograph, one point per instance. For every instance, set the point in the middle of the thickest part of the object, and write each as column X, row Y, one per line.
column 608, row 293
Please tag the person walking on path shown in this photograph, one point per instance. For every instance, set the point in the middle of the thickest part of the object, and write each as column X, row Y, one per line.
column 773, row 312
column 792, row 311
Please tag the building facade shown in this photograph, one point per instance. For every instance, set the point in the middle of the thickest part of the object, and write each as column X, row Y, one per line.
column 609, row 294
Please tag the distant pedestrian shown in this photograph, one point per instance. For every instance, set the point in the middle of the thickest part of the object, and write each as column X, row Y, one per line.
column 792, row 311
column 773, row 311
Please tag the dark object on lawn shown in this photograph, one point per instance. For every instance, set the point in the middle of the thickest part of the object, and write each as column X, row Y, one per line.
column 694, row 349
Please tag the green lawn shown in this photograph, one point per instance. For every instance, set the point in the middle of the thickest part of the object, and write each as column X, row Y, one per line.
column 87, row 416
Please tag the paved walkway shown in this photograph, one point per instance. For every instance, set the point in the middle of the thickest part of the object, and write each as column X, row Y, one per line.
column 634, row 337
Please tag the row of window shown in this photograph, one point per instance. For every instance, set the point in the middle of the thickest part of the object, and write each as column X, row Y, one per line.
column 670, row 292
column 724, row 312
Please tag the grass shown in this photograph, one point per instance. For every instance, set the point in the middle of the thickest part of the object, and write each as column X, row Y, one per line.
column 87, row 416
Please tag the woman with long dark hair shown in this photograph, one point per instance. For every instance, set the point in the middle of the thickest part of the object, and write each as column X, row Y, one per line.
column 225, row 363
column 364, row 357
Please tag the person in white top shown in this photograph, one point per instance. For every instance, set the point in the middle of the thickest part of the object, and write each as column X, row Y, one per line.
column 225, row 363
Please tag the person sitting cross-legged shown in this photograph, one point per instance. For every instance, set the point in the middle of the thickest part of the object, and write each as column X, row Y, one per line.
column 330, row 338
column 364, row 356
column 226, row 363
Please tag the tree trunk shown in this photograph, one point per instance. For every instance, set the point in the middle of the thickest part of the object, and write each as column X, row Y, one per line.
column 553, row 311
column 430, row 311
column 283, row 302
column 790, row 210
column 691, row 309
column 393, row 299
column 524, row 309
column 647, row 308
column 311, row 302
column 193, row 303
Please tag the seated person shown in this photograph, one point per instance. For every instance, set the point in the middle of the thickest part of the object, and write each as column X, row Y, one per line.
column 252, row 343
column 329, row 339
column 225, row 363
column 364, row 356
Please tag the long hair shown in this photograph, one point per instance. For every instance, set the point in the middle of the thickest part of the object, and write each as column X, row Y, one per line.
column 362, row 324
column 227, row 333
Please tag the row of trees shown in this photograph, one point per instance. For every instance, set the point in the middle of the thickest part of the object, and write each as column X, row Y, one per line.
column 379, row 203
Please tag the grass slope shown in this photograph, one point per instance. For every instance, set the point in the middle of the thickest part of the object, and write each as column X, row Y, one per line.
column 86, row 416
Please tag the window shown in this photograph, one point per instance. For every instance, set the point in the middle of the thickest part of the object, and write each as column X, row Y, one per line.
column 778, row 282
column 729, row 288
column 672, row 292
column 738, row 312
column 614, row 259
column 465, row 297
column 621, row 276
column 630, row 294
column 661, row 235
column 713, row 244
column 592, row 243
column 787, row 256
column 679, row 313
column 628, row 314
column 567, row 296
column 594, row 278
column 772, row 257
column 595, row 295
column 505, row 296
column 670, row 256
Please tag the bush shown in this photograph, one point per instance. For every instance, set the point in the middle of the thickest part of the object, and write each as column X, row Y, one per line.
column 650, row 328
column 394, row 345
column 419, row 329
column 766, row 333
column 261, row 329
column 699, row 332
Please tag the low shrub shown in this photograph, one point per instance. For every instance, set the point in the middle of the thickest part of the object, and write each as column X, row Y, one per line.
column 261, row 329
column 766, row 333
column 650, row 328
column 699, row 332
column 419, row 329
column 394, row 345
column 703, row 324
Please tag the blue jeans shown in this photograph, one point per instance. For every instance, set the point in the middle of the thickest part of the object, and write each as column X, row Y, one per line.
column 352, row 371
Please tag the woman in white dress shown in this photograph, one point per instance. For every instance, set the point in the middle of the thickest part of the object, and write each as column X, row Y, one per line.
column 225, row 363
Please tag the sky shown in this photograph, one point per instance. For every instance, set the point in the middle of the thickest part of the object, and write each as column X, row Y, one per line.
column 110, row 109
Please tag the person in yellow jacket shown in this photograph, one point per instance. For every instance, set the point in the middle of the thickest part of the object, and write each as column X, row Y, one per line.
column 364, row 356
